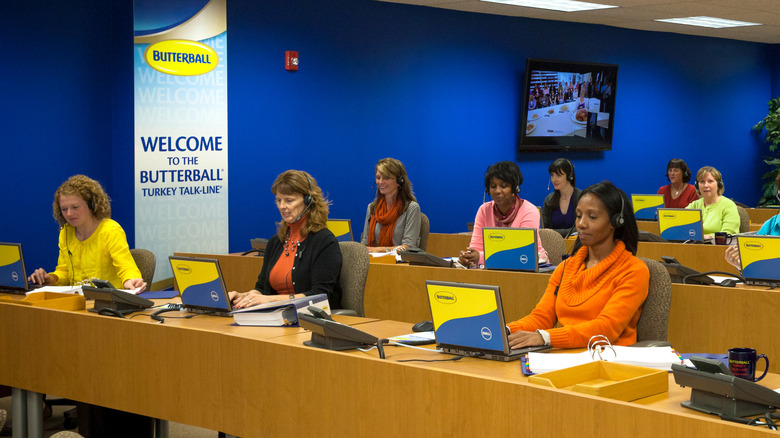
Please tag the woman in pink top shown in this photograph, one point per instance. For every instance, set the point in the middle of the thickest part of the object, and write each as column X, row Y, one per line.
column 507, row 209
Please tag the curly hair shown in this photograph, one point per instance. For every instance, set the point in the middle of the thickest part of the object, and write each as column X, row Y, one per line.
column 292, row 182
column 87, row 189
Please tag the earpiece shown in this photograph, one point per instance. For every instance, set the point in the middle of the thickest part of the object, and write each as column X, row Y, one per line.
column 618, row 220
column 307, row 197
column 570, row 174
column 400, row 180
column 91, row 202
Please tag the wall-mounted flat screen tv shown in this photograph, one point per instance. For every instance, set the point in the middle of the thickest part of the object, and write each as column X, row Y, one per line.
column 567, row 106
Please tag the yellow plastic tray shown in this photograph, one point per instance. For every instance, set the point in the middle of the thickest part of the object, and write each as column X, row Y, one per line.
column 607, row 379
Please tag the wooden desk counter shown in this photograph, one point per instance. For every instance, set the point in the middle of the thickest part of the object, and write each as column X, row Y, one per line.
column 241, row 385
column 761, row 215
column 447, row 245
column 469, row 397
column 397, row 292
column 702, row 257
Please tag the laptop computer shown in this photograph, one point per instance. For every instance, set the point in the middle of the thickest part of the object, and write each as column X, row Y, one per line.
column 760, row 259
column 680, row 224
column 646, row 206
column 341, row 228
column 468, row 320
column 514, row 249
column 201, row 285
column 13, row 276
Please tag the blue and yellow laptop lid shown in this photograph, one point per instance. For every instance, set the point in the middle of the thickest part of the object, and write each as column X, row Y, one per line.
column 200, row 284
column 341, row 228
column 467, row 316
column 646, row 206
column 680, row 224
column 12, row 273
column 760, row 258
column 510, row 248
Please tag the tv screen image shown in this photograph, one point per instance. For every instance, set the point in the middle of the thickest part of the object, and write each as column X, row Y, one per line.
column 567, row 106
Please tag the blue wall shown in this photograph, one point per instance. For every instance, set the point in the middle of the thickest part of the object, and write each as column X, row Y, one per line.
column 434, row 88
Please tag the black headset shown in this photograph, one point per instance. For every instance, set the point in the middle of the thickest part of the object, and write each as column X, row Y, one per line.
column 618, row 220
column 570, row 175
column 720, row 185
column 400, row 179
column 307, row 197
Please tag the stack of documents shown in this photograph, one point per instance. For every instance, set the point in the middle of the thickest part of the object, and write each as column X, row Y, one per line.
column 660, row 358
column 279, row 313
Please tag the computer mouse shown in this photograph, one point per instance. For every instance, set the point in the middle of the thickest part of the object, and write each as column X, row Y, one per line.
column 728, row 282
column 423, row 326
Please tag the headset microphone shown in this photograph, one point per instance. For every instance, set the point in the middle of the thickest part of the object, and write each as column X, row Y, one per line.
column 302, row 213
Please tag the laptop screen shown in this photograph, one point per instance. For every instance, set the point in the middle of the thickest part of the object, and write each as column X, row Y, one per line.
column 341, row 228
column 760, row 257
column 467, row 315
column 680, row 224
column 12, row 273
column 646, row 206
column 200, row 284
column 510, row 248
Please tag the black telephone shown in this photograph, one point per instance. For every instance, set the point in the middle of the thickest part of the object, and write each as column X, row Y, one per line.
column 332, row 335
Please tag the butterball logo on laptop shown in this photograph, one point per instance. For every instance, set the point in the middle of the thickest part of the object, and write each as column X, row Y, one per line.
column 486, row 333
column 445, row 297
column 496, row 236
column 753, row 245
column 669, row 215
column 184, row 269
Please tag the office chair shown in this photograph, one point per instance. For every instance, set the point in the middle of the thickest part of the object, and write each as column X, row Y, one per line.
column 744, row 220
column 553, row 243
column 66, row 434
column 146, row 262
column 654, row 321
column 354, row 270
column 425, row 229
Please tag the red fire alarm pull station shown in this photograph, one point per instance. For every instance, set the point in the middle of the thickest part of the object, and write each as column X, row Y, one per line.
column 291, row 61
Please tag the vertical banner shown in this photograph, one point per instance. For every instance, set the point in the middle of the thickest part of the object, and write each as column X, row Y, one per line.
column 181, row 178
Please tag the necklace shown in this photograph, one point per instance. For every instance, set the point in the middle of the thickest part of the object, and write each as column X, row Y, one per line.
column 290, row 246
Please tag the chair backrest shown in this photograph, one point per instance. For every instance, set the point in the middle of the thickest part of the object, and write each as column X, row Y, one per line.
column 654, row 320
column 425, row 229
column 146, row 262
column 354, row 270
column 744, row 220
column 553, row 243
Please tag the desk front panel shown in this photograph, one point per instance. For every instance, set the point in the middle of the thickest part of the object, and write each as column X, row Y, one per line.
column 397, row 292
column 761, row 215
column 239, row 272
column 133, row 365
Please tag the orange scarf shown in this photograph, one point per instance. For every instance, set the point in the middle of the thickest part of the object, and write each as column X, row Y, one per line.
column 386, row 217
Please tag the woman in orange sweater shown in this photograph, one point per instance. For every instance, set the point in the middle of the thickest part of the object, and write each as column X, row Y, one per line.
column 600, row 289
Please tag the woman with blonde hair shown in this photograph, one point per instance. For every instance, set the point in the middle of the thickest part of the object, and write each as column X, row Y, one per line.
column 303, row 258
column 91, row 244
column 718, row 213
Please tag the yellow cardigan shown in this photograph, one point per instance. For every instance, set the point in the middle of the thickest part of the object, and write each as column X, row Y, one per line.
column 104, row 255
column 605, row 299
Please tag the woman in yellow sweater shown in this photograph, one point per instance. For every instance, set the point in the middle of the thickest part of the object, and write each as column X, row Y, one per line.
column 600, row 289
column 92, row 245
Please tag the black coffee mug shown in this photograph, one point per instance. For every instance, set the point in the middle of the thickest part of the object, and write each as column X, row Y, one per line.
column 722, row 238
column 742, row 363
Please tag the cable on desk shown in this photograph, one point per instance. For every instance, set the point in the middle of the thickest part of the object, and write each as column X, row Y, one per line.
column 700, row 274
column 452, row 359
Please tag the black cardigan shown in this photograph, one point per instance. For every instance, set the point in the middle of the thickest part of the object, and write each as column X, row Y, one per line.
column 316, row 268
